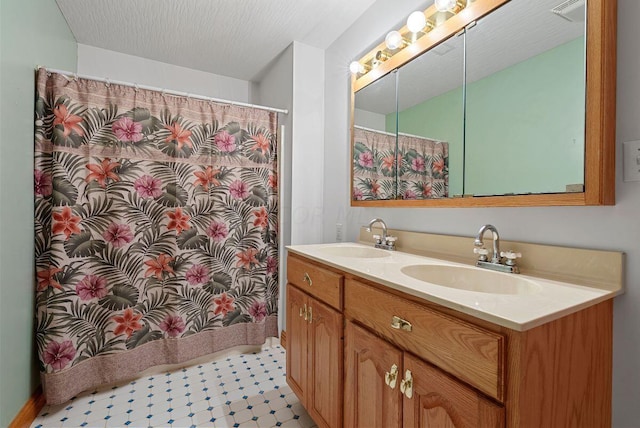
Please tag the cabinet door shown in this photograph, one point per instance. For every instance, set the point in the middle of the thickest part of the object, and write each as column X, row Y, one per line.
column 369, row 401
column 326, row 364
column 439, row 401
column 297, row 342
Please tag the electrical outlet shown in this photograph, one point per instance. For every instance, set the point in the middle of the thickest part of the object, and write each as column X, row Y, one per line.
column 631, row 160
column 339, row 236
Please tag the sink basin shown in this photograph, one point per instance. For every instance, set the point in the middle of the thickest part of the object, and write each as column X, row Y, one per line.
column 356, row 252
column 471, row 279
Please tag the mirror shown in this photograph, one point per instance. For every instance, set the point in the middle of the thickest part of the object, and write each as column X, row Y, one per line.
column 431, row 123
column 374, row 141
column 525, row 100
column 539, row 118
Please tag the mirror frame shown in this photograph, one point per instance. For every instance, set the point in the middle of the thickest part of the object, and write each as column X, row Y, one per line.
column 600, row 110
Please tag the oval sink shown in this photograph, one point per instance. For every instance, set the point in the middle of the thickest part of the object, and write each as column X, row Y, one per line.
column 357, row 252
column 471, row 279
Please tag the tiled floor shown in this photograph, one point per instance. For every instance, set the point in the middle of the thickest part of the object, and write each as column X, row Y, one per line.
column 246, row 390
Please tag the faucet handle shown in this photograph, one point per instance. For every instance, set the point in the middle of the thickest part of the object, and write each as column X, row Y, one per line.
column 511, row 257
column 377, row 239
column 482, row 253
column 391, row 241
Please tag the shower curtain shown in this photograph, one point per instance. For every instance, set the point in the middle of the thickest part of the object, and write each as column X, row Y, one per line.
column 156, row 235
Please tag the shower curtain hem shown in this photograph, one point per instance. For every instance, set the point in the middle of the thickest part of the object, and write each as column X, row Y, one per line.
column 61, row 386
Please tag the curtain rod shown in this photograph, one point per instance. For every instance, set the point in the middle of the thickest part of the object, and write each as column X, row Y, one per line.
column 399, row 133
column 166, row 91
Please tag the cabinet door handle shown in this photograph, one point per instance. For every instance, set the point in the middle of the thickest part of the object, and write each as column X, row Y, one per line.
column 400, row 324
column 303, row 312
column 406, row 384
column 391, row 377
column 306, row 278
column 310, row 315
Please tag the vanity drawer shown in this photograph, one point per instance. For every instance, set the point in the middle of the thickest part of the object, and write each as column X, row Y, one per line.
column 321, row 283
column 470, row 353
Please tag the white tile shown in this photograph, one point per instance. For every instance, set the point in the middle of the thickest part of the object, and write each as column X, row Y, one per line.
column 283, row 414
column 185, row 422
column 267, row 421
column 243, row 416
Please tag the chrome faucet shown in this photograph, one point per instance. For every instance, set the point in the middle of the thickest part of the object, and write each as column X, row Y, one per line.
column 496, row 258
column 385, row 242
column 479, row 243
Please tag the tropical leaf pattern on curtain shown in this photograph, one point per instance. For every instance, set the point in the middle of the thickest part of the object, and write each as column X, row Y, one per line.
column 152, row 221
column 423, row 166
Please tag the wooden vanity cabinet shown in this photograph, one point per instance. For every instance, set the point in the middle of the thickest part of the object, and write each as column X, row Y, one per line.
column 465, row 372
column 315, row 341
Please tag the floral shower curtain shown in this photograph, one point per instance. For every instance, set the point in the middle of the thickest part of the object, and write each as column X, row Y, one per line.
column 156, row 230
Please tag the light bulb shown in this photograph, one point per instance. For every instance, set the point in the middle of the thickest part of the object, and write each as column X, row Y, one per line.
column 355, row 67
column 416, row 21
column 445, row 5
column 393, row 40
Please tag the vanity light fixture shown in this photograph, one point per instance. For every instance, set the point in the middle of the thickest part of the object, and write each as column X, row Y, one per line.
column 356, row 68
column 416, row 21
column 394, row 40
column 453, row 6
column 381, row 56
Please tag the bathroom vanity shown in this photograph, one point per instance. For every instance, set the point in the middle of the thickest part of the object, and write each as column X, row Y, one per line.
column 372, row 343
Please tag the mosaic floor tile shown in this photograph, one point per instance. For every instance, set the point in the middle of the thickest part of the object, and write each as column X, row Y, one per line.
column 245, row 390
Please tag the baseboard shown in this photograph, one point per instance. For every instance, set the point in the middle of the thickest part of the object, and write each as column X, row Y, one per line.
column 283, row 339
column 30, row 410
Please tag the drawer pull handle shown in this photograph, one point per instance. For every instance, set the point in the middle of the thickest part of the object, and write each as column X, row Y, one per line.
column 306, row 278
column 303, row 312
column 310, row 315
column 406, row 385
column 400, row 324
column 391, row 377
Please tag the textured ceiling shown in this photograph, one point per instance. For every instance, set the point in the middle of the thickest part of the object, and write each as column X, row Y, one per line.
column 517, row 31
column 235, row 38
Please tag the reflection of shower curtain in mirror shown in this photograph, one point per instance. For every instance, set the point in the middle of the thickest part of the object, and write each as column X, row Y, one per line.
column 424, row 168
column 156, row 230
column 373, row 165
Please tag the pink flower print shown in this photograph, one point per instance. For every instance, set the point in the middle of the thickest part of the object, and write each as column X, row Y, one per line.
column 217, row 231
column 273, row 181
column 43, row 184
column 357, row 194
column 272, row 265
column 198, row 274
column 118, row 235
column 127, row 130
column 410, row 194
column 59, row 354
column 225, row 141
column 173, row 325
column 239, row 189
column 224, row 304
column 148, row 187
column 258, row 311
column 92, row 287
column 418, row 164
column 426, row 190
column 366, row 160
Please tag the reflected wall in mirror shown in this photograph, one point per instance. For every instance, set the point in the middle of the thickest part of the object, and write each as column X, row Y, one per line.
column 525, row 100
column 374, row 141
column 431, row 123
column 539, row 100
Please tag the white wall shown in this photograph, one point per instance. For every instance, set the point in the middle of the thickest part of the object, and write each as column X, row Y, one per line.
column 610, row 228
column 307, row 161
column 276, row 89
column 99, row 62
column 369, row 119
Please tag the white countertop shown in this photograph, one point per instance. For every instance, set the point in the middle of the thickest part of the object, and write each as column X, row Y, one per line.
column 548, row 301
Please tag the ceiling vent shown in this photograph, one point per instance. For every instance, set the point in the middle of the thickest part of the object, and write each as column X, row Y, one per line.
column 571, row 10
